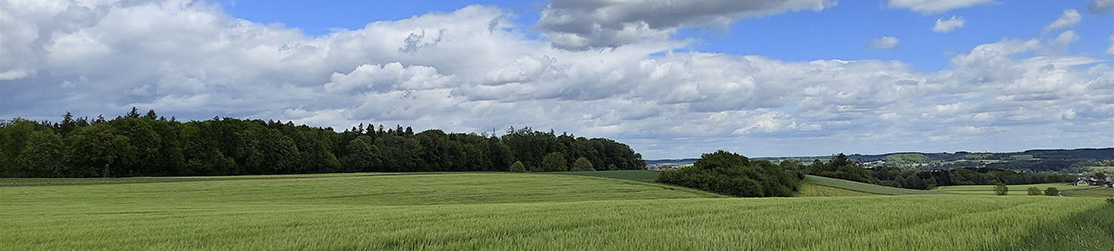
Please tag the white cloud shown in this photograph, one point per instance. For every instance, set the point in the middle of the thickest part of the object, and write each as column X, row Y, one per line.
column 945, row 26
column 587, row 24
column 1070, row 18
column 883, row 43
column 454, row 71
column 1101, row 7
column 934, row 6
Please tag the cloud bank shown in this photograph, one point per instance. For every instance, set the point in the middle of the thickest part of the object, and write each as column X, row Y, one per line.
column 586, row 24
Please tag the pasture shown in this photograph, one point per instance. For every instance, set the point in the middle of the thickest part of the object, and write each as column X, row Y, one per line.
column 525, row 211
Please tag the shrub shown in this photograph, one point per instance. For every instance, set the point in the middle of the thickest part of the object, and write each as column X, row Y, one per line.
column 1001, row 189
column 517, row 167
column 1034, row 191
column 582, row 164
column 1052, row 191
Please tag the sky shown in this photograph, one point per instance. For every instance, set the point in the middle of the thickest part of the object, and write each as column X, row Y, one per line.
column 673, row 79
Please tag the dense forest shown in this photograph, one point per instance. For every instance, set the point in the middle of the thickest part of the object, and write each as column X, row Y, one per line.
column 151, row 145
column 842, row 167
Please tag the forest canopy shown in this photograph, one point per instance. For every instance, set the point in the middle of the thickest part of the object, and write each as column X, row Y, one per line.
column 151, row 145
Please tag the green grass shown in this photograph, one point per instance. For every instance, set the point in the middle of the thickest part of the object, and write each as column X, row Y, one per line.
column 813, row 190
column 862, row 187
column 525, row 211
column 1020, row 190
column 636, row 175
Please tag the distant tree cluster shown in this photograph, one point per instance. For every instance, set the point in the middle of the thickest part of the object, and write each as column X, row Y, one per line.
column 732, row 174
column 843, row 168
column 151, row 145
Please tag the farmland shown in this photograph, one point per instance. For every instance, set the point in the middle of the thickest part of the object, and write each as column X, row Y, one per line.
column 1013, row 189
column 518, row 211
column 862, row 187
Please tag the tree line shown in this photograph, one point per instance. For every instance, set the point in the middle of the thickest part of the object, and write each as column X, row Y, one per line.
column 150, row 145
column 841, row 167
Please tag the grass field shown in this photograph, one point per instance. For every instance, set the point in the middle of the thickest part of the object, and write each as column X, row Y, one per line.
column 1091, row 192
column 526, row 211
column 636, row 175
column 1014, row 190
column 813, row 190
column 862, row 187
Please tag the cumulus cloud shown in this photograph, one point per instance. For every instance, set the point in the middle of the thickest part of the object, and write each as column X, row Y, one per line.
column 1070, row 18
column 586, row 24
column 945, row 26
column 1101, row 7
column 472, row 71
column 883, row 43
column 934, row 6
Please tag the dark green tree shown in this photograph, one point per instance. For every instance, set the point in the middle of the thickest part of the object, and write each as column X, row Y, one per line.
column 554, row 162
column 42, row 156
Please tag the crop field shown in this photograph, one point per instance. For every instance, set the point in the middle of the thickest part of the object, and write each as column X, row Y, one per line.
column 636, row 175
column 526, row 211
column 862, row 187
column 1013, row 189
column 813, row 190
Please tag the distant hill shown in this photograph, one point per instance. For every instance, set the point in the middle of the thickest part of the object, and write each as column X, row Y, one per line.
column 1028, row 160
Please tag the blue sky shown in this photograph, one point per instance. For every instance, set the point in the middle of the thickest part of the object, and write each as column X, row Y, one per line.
column 671, row 78
column 834, row 33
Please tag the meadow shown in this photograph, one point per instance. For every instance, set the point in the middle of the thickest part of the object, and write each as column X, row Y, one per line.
column 525, row 211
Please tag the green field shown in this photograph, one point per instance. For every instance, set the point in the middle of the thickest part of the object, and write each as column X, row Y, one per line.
column 1091, row 192
column 862, row 187
column 1013, row 189
column 636, row 175
column 813, row 190
column 525, row 211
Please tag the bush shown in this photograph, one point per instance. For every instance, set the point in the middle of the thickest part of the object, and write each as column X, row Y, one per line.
column 517, row 167
column 732, row 174
column 1052, row 191
column 582, row 164
column 1034, row 191
column 1001, row 189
